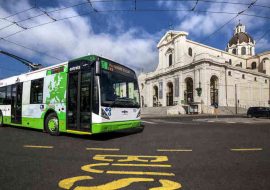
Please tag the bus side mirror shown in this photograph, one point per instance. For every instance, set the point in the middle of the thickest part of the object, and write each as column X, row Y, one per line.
column 98, row 69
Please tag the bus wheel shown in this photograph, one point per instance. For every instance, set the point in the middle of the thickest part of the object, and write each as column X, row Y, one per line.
column 1, row 119
column 52, row 124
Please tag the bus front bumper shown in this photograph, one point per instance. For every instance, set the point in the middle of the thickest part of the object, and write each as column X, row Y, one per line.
column 114, row 126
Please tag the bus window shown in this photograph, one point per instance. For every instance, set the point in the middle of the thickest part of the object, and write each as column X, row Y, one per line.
column 2, row 95
column 8, row 97
column 95, row 97
column 36, row 91
column 85, row 92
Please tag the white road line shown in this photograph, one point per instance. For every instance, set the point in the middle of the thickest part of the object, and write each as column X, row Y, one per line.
column 174, row 150
column 34, row 146
column 153, row 123
column 246, row 149
column 104, row 149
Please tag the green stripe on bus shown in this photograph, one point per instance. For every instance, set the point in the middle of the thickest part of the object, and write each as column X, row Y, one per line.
column 113, row 126
column 35, row 123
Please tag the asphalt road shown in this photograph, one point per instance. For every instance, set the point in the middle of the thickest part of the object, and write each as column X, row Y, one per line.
column 169, row 153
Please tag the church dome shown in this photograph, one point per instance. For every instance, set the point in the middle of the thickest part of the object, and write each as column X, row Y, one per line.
column 242, row 37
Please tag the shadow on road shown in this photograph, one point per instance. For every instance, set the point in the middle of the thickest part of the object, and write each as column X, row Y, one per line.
column 107, row 136
column 96, row 137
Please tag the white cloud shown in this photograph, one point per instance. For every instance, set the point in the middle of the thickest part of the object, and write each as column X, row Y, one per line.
column 201, row 24
column 75, row 37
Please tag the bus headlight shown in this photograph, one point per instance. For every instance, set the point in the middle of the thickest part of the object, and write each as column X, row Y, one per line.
column 104, row 114
column 139, row 114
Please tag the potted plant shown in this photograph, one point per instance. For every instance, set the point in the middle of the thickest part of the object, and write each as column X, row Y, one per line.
column 199, row 91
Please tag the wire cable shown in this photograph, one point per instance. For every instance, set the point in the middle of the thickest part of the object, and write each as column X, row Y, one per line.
column 6, row 17
column 238, row 14
column 265, row 33
column 91, row 5
column 42, row 53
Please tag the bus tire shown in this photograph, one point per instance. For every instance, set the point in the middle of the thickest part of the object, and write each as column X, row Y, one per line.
column 52, row 124
column 1, row 120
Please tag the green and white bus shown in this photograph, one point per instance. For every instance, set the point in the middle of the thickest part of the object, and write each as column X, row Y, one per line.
column 88, row 95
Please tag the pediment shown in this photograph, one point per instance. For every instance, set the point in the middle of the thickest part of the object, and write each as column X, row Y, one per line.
column 170, row 36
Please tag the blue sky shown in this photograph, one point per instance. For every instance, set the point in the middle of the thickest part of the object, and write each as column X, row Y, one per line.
column 111, row 28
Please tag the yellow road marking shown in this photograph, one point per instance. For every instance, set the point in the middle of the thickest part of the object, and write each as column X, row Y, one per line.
column 130, row 158
column 167, row 185
column 174, row 150
column 140, row 173
column 116, row 184
column 68, row 183
column 246, row 149
column 89, row 168
column 104, row 149
column 78, row 132
column 144, row 165
column 34, row 146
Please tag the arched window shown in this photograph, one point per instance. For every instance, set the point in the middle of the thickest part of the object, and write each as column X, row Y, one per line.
column 230, row 73
column 230, row 61
column 189, row 51
column 243, row 76
column 234, row 51
column 169, row 94
column 155, row 96
column 255, row 78
column 253, row 65
column 188, row 94
column 170, row 59
column 243, row 51
column 214, row 90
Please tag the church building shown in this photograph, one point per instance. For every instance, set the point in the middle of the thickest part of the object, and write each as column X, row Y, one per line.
column 194, row 78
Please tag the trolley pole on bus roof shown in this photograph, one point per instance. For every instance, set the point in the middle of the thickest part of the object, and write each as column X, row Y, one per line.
column 32, row 66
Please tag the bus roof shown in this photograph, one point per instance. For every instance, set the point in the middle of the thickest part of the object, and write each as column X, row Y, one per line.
column 42, row 72
column 29, row 76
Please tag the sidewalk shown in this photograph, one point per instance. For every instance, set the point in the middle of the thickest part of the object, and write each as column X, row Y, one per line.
column 195, row 116
column 234, row 120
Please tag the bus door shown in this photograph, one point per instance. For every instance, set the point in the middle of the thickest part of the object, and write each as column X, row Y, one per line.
column 79, row 106
column 16, row 103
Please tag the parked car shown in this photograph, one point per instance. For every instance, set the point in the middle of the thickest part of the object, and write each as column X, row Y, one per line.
column 258, row 112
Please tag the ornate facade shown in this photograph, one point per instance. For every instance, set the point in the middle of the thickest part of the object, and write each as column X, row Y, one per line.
column 192, row 77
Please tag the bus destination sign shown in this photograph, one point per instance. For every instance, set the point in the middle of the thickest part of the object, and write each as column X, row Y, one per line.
column 115, row 68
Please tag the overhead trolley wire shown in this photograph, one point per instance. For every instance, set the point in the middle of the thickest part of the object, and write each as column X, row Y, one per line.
column 238, row 14
column 125, row 10
column 6, row 17
column 264, row 34
column 107, row 1
column 22, row 46
column 194, row 7
column 130, row 10
column 91, row 5
column 44, row 13
column 203, row 1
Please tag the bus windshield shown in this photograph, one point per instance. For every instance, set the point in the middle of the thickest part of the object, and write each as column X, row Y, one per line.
column 118, row 90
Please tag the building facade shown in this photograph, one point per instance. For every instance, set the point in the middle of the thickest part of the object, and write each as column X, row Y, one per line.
column 193, row 77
